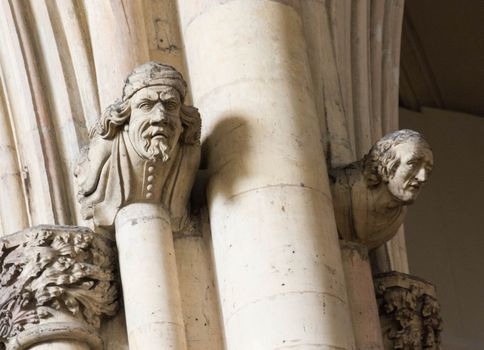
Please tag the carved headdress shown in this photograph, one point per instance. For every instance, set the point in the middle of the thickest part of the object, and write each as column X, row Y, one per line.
column 151, row 74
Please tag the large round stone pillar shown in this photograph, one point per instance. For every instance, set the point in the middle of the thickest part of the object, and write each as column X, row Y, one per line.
column 147, row 262
column 276, row 251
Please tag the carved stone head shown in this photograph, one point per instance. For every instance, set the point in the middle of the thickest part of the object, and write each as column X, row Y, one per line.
column 144, row 148
column 403, row 161
column 153, row 112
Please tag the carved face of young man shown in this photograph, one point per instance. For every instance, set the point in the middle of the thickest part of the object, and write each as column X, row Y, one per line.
column 155, row 125
column 413, row 170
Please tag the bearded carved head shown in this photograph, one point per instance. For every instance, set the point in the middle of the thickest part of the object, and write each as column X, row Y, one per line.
column 153, row 112
column 152, row 123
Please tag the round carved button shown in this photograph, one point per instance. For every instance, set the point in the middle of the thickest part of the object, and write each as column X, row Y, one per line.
column 149, row 195
column 151, row 169
column 150, row 178
column 149, row 187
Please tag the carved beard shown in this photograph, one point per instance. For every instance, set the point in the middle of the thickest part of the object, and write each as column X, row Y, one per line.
column 156, row 148
column 155, row 142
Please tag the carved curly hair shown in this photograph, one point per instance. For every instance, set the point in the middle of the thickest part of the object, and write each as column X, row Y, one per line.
column 116, row 115
column 381, row 162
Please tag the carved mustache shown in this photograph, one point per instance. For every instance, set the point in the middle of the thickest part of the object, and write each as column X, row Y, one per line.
column 153, row 131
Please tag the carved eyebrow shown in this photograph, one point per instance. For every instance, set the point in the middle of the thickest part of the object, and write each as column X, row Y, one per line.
column 169, row 95
column 170, row 100
column 144, row 100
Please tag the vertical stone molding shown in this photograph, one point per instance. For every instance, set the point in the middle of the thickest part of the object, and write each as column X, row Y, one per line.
column 361, row 296
column 200, row 300
column 136, row 177
column 57, row 282
column 409, row 312
column 278, row 264
column 354, row 55
column 118, row 41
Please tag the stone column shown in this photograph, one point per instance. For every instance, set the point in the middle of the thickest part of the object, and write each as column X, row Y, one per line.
column 276, row 251
column 56, row 284
column 149, row 276
column 361, row 296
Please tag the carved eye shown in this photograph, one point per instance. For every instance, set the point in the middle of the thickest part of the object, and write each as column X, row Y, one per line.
column 412, row 163
column 145, row 106
column 171, row 105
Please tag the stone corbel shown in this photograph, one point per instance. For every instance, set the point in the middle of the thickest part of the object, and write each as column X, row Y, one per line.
column 409, row 312
column 370, row 197
column 56, row 283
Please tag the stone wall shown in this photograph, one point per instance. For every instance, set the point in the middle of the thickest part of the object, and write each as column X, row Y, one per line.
column 444, row 228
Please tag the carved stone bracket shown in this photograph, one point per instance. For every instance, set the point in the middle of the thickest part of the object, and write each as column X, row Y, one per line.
column 409, row 312
column 56, row 282
column 370, row 196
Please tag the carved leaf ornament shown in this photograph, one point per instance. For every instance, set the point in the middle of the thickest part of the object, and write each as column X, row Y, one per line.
column 409, row 312
column 49, row 269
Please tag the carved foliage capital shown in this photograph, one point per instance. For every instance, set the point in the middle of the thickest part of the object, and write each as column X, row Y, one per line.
column 52, row 274
column 409, row 312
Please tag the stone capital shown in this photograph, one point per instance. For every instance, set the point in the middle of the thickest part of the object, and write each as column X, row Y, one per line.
column 409, row 312
column 56, row 282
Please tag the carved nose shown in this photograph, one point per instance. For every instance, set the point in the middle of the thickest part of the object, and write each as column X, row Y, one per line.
column 421, row 175
column 158, row 115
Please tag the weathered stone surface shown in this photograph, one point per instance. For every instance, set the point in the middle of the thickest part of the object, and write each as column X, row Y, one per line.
column 409, row 312
column 55, row 280
column 370, row 196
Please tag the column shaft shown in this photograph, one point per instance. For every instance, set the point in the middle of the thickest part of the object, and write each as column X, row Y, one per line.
column 361, row 297
column 276, row 251
column 149, row 277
